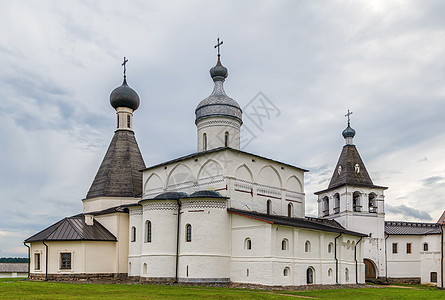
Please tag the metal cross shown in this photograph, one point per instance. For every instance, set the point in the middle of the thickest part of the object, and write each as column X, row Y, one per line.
column 218, row 44
column 125, row 66
column 347, row 115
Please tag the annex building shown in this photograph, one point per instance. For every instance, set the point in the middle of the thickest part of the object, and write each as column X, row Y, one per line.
column 224, row 215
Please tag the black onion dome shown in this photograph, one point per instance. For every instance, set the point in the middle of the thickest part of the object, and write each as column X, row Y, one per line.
column 349, row 132
column 124, row 96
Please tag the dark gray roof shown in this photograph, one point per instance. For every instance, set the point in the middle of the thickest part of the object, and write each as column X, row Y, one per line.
column 411, row 228
column 206, row 194
column 119, row 175
column 14, row 267
column 171, row 196
column 73, row 229
column 124, row 96
column 308, row 223
column 203, row 153
column 349, row 157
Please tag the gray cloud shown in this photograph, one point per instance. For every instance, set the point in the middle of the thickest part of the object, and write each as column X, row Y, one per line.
column 408, row 212
column 433, row 180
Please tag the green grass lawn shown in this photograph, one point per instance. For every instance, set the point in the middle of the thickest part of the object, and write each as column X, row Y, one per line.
column 24, row 289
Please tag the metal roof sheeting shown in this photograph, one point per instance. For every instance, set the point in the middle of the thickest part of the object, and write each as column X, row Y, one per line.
column 73, row 229
column 411, row 228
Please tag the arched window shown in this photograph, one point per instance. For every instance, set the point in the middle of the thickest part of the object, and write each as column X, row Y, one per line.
column 204, row 141
column 425, row 246
column 330, row 247
column 128, row 121
column 356, row 202
column 310, row 275
column 372, row 203
column 325, row 204
column 226, row 139
column 147, row 231
column 289, row 210
column 133, row 234
column 347, row 275
column 330, row 272
column 269, row 207
column 247, row 244
column 336, row 203
column 188, row 233
column 286, row 271
column 284, row 244
column 307, row 246
column 144, row 269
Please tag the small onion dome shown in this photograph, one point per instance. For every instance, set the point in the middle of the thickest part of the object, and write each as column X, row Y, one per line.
column 206, row 194
column 218, row 103
column 218, row 72
column 171, row 196
column 124, row 96
column 348, row 132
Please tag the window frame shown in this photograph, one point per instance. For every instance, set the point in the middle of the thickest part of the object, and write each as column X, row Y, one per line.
column 133, row 234
column 37, row 262
column 148, row 235
column 409, row 248
column 188, row 233
column 66, row 262
column 395, row 248
column 433, row 276
column 425, row 246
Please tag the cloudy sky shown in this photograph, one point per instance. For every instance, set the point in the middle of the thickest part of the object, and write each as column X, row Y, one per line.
column 314, row 60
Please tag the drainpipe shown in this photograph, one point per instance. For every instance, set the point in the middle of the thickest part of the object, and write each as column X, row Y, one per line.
column 46, row 261
column 29, row 258
column 336, row 259
column 177, row 242
column 386, row 259
column 356, row 262
column 441, row 256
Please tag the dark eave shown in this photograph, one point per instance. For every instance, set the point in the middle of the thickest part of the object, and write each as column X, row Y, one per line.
column 307, row 223
column 352, row 185
column 203, row 153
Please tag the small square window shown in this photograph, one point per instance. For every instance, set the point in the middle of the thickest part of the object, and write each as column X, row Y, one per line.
column 394, row 247
column 65, row 261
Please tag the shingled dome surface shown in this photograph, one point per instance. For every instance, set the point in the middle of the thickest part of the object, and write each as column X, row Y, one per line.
column 124, row 96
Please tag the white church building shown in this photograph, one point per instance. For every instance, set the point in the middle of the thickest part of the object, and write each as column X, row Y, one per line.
column 224, row 215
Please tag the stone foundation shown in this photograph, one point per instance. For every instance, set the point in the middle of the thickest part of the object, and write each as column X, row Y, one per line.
column 407, row 280
column 81, row 277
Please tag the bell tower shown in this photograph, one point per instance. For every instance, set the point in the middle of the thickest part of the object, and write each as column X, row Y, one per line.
column 354, row 201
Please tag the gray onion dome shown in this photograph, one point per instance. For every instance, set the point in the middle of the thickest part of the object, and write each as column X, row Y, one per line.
column 218, row 103
column 124, row 96
column 349, row 132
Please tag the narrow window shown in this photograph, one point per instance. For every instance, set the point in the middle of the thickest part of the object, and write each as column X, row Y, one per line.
column 247, row 272
column 336, row 203
column 394, row 248
column 117, row 121
column 144, row 270
column 65, row 261
column 356, row 202
column 187, row 271
column 289, row 210
column 204, row 141
column 247, row 244
column 148, row 231
column 309, row 276
column 128, row 121
column 284, row 244
column 129, row 268
column 133, row 234
column 330, row 273
column 307, row 246
column 371, row 203
column 425, row 247
column 433, row 276
column 36, row 261
column 286, row 271
column 408, row 248
column 325, row 204
column 347, row 275
column 269, row 207
column 188, row 233
column 226, row 139
column 330, row 248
